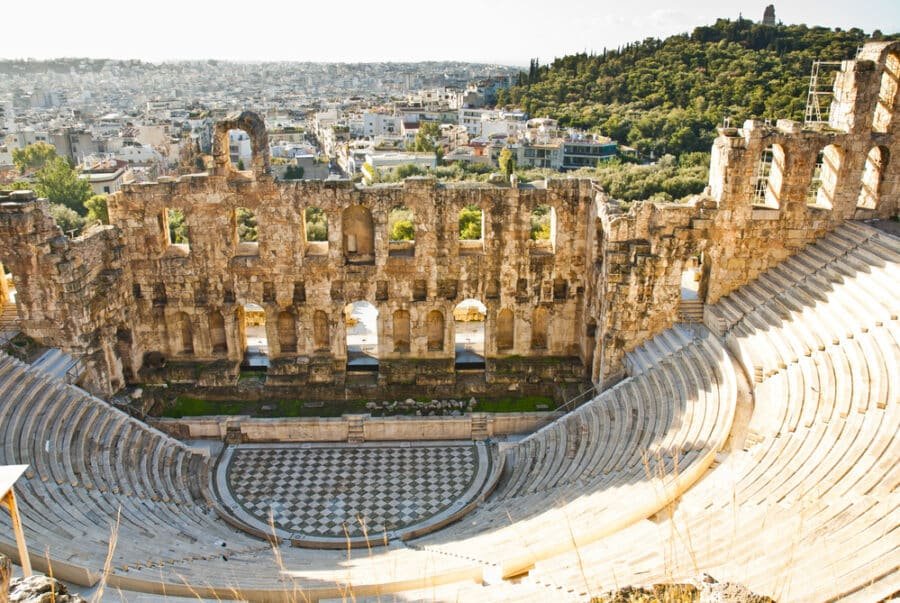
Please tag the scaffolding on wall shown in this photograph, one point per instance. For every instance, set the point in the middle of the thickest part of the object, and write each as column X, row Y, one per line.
column 821, row 91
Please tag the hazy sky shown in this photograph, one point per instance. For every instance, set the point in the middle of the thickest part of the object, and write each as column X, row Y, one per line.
column 503, row 31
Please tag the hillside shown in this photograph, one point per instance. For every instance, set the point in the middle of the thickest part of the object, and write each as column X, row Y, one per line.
column 667, row 96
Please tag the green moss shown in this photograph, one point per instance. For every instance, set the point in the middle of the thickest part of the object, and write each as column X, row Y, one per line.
column 514, row 404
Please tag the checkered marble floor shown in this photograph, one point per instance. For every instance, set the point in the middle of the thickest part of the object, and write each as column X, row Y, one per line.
column 332, row 491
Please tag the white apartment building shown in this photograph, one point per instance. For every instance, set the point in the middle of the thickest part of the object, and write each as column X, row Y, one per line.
column 380, row 124
column 240, row 148
column 472, row 119
column 384, row 161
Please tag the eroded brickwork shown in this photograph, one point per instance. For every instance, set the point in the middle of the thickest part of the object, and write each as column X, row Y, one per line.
column 742, row 225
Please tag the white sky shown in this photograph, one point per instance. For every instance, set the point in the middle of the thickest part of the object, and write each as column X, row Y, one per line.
column 499, row 31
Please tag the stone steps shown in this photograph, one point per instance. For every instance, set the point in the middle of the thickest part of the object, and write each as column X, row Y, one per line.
column 355, row 429
column 690, row 310
column 807, row 508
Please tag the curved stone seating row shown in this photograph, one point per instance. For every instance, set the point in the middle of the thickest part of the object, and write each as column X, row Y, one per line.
column 810, row 509
column 650, row 352
column 610, row 463
column 93, row 469
column 807, row 511
column 635, row 447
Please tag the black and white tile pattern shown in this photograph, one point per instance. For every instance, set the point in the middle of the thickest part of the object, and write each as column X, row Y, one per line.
column 334, row 491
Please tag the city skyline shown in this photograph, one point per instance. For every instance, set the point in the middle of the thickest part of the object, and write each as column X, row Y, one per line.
column 504, row 32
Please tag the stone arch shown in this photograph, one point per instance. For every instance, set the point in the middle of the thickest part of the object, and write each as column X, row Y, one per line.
column 886, row 105
column 768, row 177
column 873, row 177
column 469, row 318
column 184, row 343
column 506, row 329
column 361, row 333
column 543, row 228
column 321, row 336
column 401, row 231
column 691, row 277
column 217, row 338
column 255, row 127
column 287, row 332
column 540, row 322
column 315, row 230
column 470, row 226
column 246, row 226
column 400, row 323
column 358, row 234
column 434, row 330
column 253, row 330
column 823, row 185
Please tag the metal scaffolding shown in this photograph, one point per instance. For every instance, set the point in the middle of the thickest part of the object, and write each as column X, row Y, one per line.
column 821, row 91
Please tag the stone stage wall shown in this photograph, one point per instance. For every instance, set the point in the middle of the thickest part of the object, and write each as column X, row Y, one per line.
column 135, row 306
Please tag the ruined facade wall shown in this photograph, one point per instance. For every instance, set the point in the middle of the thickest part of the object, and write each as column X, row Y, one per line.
column 636, row 277
column 284, row 272
column 612, row 280
column 69, row 291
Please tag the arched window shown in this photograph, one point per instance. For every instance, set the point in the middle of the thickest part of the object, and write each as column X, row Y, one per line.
column 872, row 177
column 217, row 338
column 823, row 185
column 506, row 329
column 768, row 177
column 361, row 321
column 246, row 232
column 287, row 332
column 539, row 324
column 401, row 231
column 185, row 334
column 240, row 149
column 254, row 333
column 401, row 326
column 316, row 228
column 887, row 95
column 358, row 234
column 468, row 328
column 543, row 228
column 175, row 229
column 471, row 229
column 321, row 338
column 434, row 328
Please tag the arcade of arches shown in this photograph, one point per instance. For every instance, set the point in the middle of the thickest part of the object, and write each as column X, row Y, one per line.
column 564, row 280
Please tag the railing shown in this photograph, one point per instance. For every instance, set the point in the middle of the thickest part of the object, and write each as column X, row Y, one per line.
column 577, row 401
column 73, row 373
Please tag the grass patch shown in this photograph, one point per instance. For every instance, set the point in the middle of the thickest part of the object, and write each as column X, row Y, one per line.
column 189, row 406
column 514, row 404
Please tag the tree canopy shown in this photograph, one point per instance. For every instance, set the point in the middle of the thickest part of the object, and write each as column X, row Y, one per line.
column 60, row 184
column 33, row 156
column 293, row 172
column 97, row 209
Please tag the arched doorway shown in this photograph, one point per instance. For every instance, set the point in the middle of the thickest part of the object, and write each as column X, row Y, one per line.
column 8, row 314
column 361, row 320
column 690, row 278
column 252, row 318
column 468, row 327
column 358, row 235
